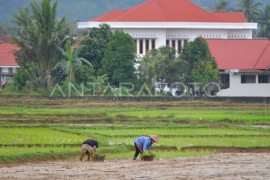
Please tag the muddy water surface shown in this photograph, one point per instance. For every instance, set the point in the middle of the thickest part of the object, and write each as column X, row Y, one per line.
column 217, row 166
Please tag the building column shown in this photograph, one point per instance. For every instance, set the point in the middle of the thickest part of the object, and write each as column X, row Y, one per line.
column 176, row 46
column 138, row 46
column 144, row 46
column 182, row 42
column 150, row 44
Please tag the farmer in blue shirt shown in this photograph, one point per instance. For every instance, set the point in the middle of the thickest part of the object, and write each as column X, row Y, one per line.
column 143, row 143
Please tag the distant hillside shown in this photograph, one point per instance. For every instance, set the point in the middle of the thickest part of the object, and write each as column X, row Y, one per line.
column 85, row 10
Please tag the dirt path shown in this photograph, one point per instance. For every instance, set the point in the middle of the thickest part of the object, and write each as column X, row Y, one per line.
column 217, row 166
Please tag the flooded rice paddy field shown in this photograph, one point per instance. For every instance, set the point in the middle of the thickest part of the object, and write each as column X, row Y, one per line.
column 216, row 166
column 198, row 139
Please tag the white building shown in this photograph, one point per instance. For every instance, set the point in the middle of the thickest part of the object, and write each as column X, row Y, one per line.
column 243, row 63
column 156, row 23
column 243, row 66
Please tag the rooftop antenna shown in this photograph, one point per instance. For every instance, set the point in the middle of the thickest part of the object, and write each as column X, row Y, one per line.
column 218, row 8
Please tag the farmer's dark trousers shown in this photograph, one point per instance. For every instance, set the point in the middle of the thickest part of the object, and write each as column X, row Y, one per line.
column 137, row 151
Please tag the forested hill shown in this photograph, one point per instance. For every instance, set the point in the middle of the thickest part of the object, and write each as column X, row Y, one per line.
column 85, row 10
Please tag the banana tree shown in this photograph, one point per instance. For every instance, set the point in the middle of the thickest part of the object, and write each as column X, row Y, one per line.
column 71, row 60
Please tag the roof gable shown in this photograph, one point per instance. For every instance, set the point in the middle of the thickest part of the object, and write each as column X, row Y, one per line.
column 6, row 56
column 168, row 11
column 4, row 39
column 148, row 12
column 185, row 11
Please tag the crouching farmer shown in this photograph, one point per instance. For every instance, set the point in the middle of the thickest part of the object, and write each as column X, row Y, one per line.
column 143, row 143
column 89, row 147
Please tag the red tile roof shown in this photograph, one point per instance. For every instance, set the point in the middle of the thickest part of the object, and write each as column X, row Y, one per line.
column 168, row 11
column 241, row 54
column 4, row 39
column 231, row 17
column 264, row 60
column 6, row 56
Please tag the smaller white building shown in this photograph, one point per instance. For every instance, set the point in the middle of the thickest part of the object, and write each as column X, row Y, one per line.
column 244, row 66
column 8, row 64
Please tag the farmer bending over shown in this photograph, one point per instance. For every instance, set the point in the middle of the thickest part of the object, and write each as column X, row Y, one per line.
column 89, row 147
column 142, row 143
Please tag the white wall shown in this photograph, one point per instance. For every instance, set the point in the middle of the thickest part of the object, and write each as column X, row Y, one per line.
column 158, row 34
column 163, row 34
column 246, row 89
column 5, row 69
column 240, row 34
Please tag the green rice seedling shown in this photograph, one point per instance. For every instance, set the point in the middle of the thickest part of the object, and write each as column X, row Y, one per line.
column 36, row 136
column 99, row 155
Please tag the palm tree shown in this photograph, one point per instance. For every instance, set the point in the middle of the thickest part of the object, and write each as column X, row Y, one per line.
column 249, row 9
column 71, row 60
column 264, row 22
column 41, row 32
column 222, row 3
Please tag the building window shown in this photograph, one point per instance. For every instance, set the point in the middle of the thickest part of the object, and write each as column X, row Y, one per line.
column 248, row 79
column 243, row 79
column 141, row 46
column 185, row 41
column 153, row 44
column 179, row 46
column 167, row 42
column 10, row 70
column 135, row 40
column 263, row 79
column 225, row 80
column 173, row 44
column 146, row 45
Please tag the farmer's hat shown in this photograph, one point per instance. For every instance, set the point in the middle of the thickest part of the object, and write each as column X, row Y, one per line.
column 154, row 138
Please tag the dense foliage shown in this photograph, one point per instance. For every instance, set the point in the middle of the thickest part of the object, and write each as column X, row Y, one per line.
column 95, row 46
column 202, row 67
column 119, row 58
